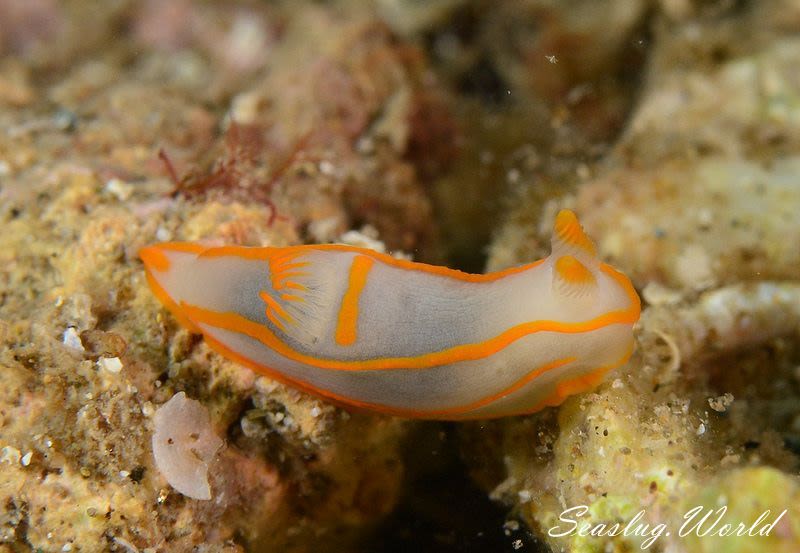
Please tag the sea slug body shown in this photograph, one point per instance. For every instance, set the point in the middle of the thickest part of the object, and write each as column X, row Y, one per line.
column 367, row 330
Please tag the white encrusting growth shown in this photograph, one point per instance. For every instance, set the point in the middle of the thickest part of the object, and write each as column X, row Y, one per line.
column 184, row 444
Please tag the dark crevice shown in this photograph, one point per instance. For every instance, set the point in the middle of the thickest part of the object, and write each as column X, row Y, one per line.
column 442, row 510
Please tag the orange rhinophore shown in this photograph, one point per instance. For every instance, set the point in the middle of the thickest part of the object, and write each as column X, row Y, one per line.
column 367, row 330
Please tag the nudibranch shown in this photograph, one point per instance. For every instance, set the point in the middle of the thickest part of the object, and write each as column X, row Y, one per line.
column 366, row 330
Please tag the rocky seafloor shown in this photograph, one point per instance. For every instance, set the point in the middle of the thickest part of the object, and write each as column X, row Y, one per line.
column 450, row 132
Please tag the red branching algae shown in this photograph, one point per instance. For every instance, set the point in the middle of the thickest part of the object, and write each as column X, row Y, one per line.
column 244, row 172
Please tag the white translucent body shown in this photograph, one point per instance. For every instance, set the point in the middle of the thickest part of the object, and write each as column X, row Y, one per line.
column 408, row 313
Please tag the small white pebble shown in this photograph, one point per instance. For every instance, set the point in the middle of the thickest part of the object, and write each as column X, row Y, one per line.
column 72, row 340
column 315, row 412
column 617, row 384
column 326, row 168
column 5, row 168
column 701, row 429
column 362, row 239
column 552, row 59
column 26, row 459
column 524, row 496
column 163, row 235
column 148, row 409
column 124, row 474
column 245, row 107
column 120, row 189
column 512, row 525
column 517, row 544
column 67, row 547
column 110, row 364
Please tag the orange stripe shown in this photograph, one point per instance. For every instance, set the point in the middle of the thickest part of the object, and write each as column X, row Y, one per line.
column 279, row 253
column 275, row 306
column 342, row 401
column 464, row 352
column 284, row 257
column 579, row 384
column 288, row 266
column 275, row 374
column 463, row 411
column 268, row 253
column 154, row 257
column 274, row 319
column 531, row 375
column 280, row 269
column 280, row 259
column 347, row 402
column 294, row 286
column 280, row 277
column 307, row 387
column 557, row 397
column 292, row 297
column 347, row 322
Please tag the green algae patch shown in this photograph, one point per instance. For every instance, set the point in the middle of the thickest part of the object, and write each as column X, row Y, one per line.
column 751, row 510
column 612, row 523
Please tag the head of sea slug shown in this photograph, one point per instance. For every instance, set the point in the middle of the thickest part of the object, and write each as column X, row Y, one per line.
column 596, row 305
column 581, row 278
